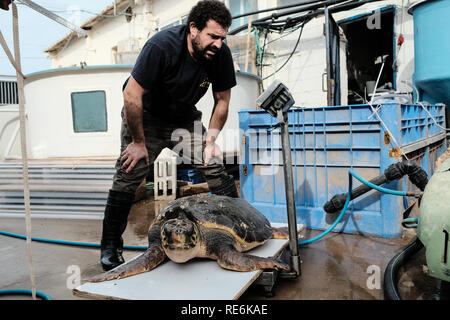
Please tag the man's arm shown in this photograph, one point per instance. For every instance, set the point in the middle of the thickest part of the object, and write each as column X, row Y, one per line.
column 136, row 150
column 218, row 119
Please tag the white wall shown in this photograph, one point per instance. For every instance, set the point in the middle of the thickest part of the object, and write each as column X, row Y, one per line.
column 9, row 132
column 303, row 72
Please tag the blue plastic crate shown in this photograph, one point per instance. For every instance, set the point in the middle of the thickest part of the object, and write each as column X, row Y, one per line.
column 325, row 143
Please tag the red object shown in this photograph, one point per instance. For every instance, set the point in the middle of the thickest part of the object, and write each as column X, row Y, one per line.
column 400, row 40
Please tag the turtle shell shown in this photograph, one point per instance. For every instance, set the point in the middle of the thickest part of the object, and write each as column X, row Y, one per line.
column 234, row 215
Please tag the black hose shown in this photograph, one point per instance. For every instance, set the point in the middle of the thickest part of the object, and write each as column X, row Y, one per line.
column 277, row 8
column 336, row 203
column 394, row 172
column 391, row 272
column 275, row 16
column 334, row 6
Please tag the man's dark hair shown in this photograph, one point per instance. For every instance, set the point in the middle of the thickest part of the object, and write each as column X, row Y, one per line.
column 205, row 10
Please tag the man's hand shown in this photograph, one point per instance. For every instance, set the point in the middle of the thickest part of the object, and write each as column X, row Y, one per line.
column 212, row 150
column 4, row 4
column 132, row 154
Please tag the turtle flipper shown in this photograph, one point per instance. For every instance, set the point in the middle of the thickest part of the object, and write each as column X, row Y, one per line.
column 147, row 261
column 232, row 259
column 279, row 234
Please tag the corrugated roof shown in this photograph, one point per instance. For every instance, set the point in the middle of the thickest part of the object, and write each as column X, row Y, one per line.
column 108, row 11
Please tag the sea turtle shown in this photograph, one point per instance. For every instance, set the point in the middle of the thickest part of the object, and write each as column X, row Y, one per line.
column 206, row 226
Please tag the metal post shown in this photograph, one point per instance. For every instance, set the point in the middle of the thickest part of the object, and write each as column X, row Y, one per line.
column 23, row 139
column 290, row 192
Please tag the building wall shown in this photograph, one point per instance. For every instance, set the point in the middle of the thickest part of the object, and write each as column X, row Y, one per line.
column 302, row 74
column 113, row 37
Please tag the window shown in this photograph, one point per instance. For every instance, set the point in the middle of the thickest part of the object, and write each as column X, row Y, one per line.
column 89, row 111
column 238, row 7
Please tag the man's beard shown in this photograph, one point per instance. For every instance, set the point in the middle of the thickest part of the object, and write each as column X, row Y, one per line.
column 201, row 54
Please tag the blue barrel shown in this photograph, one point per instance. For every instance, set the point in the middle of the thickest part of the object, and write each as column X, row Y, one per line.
column 432, row 51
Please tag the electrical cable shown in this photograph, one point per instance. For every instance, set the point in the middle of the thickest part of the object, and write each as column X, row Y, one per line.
column 292, row 53
column 286, row 13
column 333, row 7
column 277, row 8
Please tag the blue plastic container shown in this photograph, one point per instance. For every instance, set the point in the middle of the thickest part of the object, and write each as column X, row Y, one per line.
column 325, row 143
column 432, row 50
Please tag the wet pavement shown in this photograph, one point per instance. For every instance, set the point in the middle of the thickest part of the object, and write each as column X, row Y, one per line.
column 337, row 267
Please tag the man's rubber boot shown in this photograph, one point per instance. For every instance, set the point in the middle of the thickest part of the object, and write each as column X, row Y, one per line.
column 114, row 223
column 227, row 187
column 219, row 182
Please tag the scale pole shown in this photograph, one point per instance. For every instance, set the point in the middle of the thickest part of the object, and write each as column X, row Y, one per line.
column 290, row 191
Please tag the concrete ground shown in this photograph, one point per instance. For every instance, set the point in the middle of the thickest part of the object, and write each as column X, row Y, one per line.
column 338, row 267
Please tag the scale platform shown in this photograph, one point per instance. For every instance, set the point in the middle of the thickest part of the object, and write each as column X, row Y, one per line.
column 197, row 279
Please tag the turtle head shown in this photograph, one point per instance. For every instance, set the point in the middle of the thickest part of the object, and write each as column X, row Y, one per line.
column 180, row 239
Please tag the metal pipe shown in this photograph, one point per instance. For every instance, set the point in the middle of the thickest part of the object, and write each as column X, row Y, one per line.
column 282, row 14
column 394, row 172
column 337, row 8
column 290, row 192
column 277, row 8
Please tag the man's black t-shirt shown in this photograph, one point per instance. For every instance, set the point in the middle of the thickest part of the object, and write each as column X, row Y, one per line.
column 175, row 81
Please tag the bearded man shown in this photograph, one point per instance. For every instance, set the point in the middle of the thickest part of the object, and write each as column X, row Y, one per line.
column 172, row 72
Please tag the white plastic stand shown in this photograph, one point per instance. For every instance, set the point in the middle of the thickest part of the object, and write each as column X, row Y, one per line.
column 165, row 175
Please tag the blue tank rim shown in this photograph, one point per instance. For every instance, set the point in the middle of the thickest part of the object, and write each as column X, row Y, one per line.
column 418, row 4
